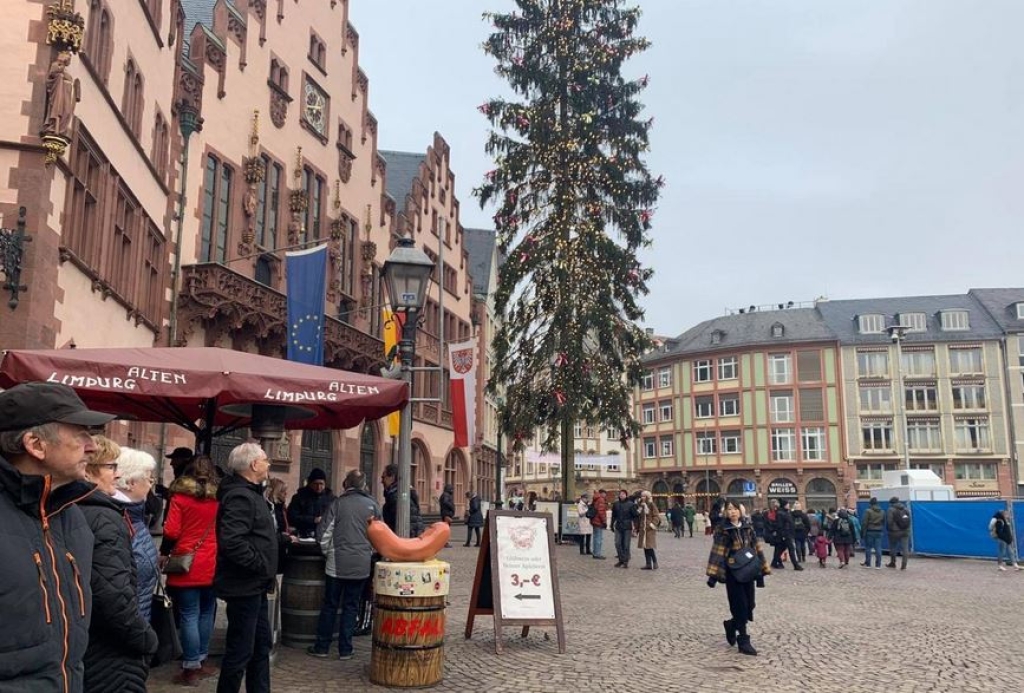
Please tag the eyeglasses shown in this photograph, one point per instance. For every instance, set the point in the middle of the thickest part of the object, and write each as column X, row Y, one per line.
column 112, row 466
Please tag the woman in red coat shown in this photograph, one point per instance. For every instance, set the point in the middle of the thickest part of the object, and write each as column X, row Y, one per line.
column 191, row 525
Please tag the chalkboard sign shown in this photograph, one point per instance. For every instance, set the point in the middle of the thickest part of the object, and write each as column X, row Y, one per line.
column 516, row 580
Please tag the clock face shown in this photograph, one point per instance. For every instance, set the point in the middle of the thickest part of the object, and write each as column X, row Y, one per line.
column 315, row 108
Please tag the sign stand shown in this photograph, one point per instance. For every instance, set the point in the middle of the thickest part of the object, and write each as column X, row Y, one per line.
column 516, row 582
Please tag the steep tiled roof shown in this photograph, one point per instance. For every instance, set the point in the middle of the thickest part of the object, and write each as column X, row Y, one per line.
column 479, row 243
column 197, row 11
column 841, row 317
column 1001, row 305
column 744, row 330
column 403, row 168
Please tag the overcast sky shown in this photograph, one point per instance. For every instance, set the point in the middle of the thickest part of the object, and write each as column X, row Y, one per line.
column 810, row 148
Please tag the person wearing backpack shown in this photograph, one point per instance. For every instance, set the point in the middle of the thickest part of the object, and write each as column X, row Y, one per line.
column 999, row 529
column 874, row 518
column 843, row 535
column 586, row 511
column 897, row 526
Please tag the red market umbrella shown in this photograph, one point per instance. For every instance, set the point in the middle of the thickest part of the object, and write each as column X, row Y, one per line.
column 199, row 388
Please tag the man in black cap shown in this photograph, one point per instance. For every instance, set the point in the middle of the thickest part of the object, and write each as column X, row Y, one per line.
column 310, row 503
column 44, row 446
column 180, row 458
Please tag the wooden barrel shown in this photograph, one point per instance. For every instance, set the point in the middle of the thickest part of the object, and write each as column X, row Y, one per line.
column 302, row 592
column 408, row 624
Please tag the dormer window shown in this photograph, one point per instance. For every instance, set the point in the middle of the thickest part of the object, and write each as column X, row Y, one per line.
column 872, row 323
column 914, row 322
column 954, row 320
column 716, row 336
column 1020, row 310
column 778, row 330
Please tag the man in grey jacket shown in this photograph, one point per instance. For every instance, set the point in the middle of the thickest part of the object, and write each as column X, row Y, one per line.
column 342, row 534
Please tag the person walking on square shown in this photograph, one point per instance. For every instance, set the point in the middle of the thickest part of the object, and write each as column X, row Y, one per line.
column 348, row 556
column 732, row 537
column 821, row 548
column 999, row 529
column 647, row 522
column 474, row 517
column 583, row 511
column 690, row 513
column 599, row 522
column 897, row 526
column 842, row 535
column 246, row 571
column 813, row 529
column 624, row 514
column 800, row 527
column 874, row 519
column 676, row 519
column 784, row 534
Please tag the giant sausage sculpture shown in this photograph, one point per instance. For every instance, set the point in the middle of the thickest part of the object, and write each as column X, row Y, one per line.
column 412, row 550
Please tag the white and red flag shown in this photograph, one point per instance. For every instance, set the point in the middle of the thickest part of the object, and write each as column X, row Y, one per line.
column 462, row 361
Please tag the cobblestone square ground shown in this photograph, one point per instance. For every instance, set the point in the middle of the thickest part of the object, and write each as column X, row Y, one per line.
column 942, row 625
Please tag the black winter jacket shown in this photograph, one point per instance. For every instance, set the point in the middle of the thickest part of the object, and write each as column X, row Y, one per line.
column 45, row 597
column 389, row 512
column 247, row 540
column 120, row 639
column 623, row 514
column 305, row 507
column 474, row 513
column 447, row 503
column 784, row 523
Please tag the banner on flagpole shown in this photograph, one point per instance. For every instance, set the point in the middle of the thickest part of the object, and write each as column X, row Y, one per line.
column 392, row 332
column 307, row 286
column 462, row 364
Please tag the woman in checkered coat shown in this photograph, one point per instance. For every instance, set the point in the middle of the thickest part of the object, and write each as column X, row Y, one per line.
column 734, row 533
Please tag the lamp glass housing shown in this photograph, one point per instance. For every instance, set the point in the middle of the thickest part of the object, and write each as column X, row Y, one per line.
column 406, row 274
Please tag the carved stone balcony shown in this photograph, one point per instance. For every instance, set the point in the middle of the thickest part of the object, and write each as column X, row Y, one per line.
column 224, row 302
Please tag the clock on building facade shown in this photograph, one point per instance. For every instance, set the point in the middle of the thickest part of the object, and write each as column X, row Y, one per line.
column 314, row 108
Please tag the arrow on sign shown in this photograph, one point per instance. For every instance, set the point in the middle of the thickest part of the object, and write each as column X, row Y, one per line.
column 522, row 596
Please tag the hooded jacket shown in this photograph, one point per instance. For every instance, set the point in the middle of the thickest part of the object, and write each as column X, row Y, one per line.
column 192, row 516
column 120, row 639
column 44, row 585
column 247, row 541
column 343, row 535
column 874, row 518
column 447, row 503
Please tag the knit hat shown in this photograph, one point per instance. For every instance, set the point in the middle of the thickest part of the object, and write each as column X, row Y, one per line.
column 316, row 474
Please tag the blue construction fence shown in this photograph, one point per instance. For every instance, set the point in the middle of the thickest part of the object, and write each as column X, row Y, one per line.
column 956, row 528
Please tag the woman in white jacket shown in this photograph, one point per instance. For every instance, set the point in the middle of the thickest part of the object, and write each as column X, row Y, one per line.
column 586, row 529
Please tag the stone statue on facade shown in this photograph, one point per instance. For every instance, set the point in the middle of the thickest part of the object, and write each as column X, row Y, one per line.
column 60, row 97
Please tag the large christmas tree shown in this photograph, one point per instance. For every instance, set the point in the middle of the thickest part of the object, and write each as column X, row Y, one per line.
column 574, row 204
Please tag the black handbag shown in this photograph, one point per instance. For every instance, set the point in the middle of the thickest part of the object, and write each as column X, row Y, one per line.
column 162, row 620
column 744, row 565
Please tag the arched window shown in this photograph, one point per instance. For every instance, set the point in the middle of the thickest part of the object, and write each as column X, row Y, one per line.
column 128, row 99
column 104, row 46
column 316, row 452
column 137, row 105
column 660, row 492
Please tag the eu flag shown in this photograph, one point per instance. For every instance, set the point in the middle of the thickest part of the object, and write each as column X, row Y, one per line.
column 307, row 285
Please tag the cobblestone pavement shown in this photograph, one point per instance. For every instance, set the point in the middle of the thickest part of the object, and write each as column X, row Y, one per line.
column 942, row 625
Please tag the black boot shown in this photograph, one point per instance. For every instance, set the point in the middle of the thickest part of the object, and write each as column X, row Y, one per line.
column 744, row 645
column 730, row 631
column 647, row 560
column 654, row 561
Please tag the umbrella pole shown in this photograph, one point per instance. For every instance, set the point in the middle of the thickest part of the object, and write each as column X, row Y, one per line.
column 204, row 439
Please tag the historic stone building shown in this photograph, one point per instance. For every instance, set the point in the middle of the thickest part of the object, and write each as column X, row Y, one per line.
column 168, row 154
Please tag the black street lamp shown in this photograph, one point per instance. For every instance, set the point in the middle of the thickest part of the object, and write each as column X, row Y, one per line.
column 501, row 454
column 406, row 275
